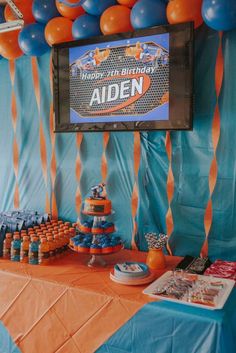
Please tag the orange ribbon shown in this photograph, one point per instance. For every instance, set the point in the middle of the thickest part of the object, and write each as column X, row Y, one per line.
column 169, row 190
column 78, row 197
column 14, row 123
column 208, row 217
column 42, row 142
column 134, row 198
column 53, row 164
column 106, row 137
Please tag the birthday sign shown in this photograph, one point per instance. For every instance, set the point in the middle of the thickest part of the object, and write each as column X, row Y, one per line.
column 127, row 80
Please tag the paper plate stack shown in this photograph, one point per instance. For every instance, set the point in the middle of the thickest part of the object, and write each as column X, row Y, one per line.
column 131, row 273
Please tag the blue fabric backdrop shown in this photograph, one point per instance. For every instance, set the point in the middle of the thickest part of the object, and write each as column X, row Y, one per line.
column 192, row 153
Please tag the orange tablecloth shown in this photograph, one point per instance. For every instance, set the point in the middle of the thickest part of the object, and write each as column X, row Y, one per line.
column 67, row 307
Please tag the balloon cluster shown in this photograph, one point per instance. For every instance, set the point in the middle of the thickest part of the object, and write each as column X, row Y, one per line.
column 48, row 22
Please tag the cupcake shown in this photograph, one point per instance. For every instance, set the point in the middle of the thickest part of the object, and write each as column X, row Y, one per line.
column 107, row 248
column 109, row 227
column 95, row 249
column 85, row 227
column 97, row 229
column 83, row 248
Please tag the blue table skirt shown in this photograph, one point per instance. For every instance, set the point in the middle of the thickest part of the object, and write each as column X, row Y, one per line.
column 165, row 327
column 6, row 343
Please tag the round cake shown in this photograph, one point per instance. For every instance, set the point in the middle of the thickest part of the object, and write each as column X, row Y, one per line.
column 131, row 270
column 97, row 207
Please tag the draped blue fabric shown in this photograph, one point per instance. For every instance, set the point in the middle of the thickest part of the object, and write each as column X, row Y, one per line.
column 6, row 343
column 192, row 154
column 30, row 175
column 164, row 327
column 222, row 238
column 7, row 178
column 152, row 186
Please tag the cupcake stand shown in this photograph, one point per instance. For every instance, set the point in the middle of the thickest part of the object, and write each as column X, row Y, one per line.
column 96, row 238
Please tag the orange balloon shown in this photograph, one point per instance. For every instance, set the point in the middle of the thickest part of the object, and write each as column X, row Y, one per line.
column 70, row 12
column 9, row 47
column 185, row 10
column 25, row 6
column 116, row 19
column 129, row 3
column 58, row 30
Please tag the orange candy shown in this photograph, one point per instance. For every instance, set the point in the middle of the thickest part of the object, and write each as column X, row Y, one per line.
column 116, row 19
column 185, row 10
column 25, row 7
column 58, row 30
column 70, row 12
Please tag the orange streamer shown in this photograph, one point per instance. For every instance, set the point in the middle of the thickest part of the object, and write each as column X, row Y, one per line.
column 42, row 143
column 106, row 137
column 134, row 198
column 53, row 165
column 169, row 190
column 78, row 197
column 219, row 73
column 36, row 80
column 12, row 70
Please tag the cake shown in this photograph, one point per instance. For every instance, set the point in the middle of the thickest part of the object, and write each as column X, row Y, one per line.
column 85, row 227
column 97, row 207
column 95, row 235
column 97, row 204
column 131, row 270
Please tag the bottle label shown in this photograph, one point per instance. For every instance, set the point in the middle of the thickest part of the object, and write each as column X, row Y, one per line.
column 33, row 257
column 6, row 253
column 16, row 252
column 52, row 253
column 24, row 255
column 44, row 255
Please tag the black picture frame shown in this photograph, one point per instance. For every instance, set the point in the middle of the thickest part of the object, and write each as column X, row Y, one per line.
column 181, row 67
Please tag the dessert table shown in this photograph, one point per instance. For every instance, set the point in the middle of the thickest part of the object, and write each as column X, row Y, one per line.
column 67, row 307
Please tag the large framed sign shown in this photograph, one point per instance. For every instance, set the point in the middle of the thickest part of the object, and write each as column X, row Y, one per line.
column 133, row 81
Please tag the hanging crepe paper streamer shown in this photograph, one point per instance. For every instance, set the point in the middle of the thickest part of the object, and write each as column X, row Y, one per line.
column 53, row 164
column 213, row 173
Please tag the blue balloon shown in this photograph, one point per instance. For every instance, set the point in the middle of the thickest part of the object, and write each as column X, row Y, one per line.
column 2, row 18
column 219, row 14
column 148, row 13
column 32, row 41
column 86, row 26
column 72, row 4
column 44, row 10
column 97, row 7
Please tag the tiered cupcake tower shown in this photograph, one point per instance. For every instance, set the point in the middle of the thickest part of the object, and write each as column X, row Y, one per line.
column 96, row 236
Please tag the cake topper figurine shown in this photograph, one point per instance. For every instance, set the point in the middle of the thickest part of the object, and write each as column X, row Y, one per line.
column 97, row 191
